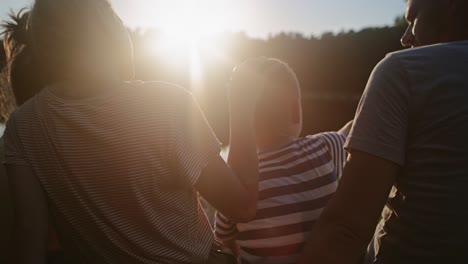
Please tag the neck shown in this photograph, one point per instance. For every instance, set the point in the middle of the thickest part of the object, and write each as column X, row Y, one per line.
column 462, row 36
column 457, row 31
column 272, row 142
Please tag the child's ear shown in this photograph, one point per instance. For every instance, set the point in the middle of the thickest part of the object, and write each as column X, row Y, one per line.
column 295, row 108
column 127, row 68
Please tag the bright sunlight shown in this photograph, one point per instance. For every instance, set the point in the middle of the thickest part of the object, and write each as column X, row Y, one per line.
column 185, row 24
column 191, row 20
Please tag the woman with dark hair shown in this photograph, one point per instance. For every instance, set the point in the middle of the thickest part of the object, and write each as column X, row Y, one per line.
column 23, row 74
column 118, row 193
column 6, row 107
column 5, row 205
column 22, row 80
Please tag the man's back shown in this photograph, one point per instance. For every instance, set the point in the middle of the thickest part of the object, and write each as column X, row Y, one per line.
column 420, row 124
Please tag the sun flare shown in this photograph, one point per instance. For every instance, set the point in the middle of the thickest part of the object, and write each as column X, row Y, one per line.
column 182, row 29
column 191, row 20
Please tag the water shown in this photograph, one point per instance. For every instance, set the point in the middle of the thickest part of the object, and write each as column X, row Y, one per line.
column 225, row 152
column 2, row 129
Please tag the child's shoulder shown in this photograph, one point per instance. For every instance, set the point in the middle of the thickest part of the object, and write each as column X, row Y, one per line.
column 327, row 137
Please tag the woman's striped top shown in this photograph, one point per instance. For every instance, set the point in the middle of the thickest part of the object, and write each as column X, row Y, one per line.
column 119, row 169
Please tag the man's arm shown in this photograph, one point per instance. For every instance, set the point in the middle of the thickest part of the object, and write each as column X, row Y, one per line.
column 377, row 146
column 31, row 216
column 347, row 224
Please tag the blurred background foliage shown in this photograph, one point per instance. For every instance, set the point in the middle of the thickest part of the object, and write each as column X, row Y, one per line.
column 332, row 68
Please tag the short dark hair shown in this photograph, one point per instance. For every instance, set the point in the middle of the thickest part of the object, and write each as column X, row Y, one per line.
column 23, row 73
column 71, row 36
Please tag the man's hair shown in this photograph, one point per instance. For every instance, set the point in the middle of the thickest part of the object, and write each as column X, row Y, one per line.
column 23, row 73
column 71, row 36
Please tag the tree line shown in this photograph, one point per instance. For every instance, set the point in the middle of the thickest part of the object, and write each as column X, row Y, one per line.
column 332, row 68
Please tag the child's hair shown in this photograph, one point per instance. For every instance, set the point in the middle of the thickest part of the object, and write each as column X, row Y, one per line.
column 280, row 86
column 76, row 38
column 23, row 74
column 279, row 74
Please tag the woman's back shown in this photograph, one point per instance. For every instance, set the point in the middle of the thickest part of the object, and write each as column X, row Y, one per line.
column 119, row 170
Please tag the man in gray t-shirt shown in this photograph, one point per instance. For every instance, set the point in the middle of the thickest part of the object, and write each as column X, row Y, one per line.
column 409, row 133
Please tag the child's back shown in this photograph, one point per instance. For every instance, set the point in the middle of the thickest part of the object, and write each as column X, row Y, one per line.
column 296, row 183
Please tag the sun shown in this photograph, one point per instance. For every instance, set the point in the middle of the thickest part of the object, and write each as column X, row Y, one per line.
column 183, row 27
column 192, row 19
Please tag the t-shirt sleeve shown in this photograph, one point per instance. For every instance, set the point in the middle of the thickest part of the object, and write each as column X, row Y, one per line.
column 335, row 142
column 381, row 122
column 14, row 153
column 195, row 142
column 225, row 230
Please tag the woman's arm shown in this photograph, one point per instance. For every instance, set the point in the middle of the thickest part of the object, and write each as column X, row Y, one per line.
column 233, row 189
column 31, row 216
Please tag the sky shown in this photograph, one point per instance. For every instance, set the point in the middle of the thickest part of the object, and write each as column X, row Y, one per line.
column 257, row 18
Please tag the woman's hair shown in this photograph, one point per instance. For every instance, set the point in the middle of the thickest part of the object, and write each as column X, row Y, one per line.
column 15, row 32
column 7, row 103
column 23, row 72
column 77, row 38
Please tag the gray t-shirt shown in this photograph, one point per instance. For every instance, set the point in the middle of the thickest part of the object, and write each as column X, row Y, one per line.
column 414, row 113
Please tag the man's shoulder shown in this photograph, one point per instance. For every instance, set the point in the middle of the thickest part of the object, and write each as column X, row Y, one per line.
column 428, row 51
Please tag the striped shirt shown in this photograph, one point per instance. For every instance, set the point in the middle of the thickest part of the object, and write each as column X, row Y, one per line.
column 119, row 169
column 295, row 185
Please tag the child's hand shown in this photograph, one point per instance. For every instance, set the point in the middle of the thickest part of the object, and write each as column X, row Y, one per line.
column 246, row 85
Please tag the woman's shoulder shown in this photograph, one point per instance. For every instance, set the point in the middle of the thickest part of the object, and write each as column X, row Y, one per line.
column 160, row 89
column 158, row 96
column 25, row 111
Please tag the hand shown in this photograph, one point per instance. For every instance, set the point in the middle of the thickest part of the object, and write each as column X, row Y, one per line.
column 246, row 85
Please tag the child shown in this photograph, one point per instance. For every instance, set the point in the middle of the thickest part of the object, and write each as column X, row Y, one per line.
column 298, row 175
